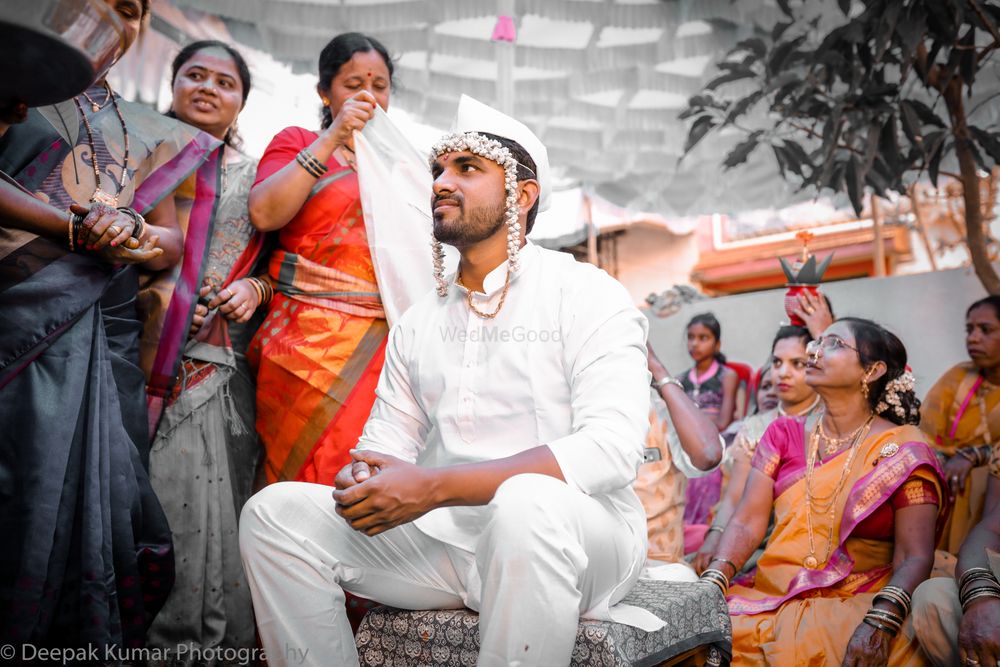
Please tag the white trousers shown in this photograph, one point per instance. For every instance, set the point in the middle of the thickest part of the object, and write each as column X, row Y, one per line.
column 547, row 554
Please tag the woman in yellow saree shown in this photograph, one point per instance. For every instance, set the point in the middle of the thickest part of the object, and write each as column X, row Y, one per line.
column 961, row 417
column 857, row 496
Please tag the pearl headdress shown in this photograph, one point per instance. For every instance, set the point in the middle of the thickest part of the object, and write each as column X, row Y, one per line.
column 493, row 150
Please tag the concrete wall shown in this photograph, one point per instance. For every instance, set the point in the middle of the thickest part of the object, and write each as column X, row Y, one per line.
column 651, row 259
column 927, row 311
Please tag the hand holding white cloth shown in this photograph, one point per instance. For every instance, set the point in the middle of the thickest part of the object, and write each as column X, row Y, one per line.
column 395, row 183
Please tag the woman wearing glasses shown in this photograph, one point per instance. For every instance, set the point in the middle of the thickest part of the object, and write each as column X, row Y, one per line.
column 857, row 495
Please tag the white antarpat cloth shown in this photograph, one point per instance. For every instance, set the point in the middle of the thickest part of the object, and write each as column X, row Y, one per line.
column 395, row 185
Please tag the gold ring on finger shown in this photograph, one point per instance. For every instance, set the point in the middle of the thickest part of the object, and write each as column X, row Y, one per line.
column 114, row 230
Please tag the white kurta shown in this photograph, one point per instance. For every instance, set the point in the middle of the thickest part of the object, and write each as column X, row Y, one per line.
column 563, row 364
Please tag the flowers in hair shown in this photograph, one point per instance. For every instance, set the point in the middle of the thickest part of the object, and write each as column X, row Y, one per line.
column 891, row 394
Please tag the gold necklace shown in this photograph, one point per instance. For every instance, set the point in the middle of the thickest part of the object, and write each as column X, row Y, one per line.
column 100, row 196
column 834, row 444
column 94, row 105
column 472, row 305
column 826, row 504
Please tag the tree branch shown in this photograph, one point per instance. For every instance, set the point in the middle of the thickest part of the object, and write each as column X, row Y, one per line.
column 992, row 29
column 986, row 20
column 812, row 133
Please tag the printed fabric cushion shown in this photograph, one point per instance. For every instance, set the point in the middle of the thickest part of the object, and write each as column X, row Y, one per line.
column 696, row 616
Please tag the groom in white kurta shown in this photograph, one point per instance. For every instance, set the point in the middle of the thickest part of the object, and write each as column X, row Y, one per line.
column 495, row 471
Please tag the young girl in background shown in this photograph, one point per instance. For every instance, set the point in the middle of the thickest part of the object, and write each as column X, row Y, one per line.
column 712, row 386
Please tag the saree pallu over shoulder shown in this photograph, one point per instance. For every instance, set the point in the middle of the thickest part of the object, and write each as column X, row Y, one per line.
column 167, row 298
column 952, row 413
column 883, row 465
column 163, row 154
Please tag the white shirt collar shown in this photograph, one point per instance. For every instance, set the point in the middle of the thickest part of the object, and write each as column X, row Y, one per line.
column 495, row 279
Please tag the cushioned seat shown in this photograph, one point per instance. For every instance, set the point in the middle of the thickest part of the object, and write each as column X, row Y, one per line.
column 697, row 632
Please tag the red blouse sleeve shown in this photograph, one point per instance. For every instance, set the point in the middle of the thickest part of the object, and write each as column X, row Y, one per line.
column 915, row 491
column 282, row 150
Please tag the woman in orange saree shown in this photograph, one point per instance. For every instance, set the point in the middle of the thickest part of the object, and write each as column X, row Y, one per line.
column 320, row 350
column 857, row 496
column 961, row 417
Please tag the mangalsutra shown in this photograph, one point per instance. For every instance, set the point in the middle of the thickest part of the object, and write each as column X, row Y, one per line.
column 826, row 504
column 100, row 196
column 94, row 105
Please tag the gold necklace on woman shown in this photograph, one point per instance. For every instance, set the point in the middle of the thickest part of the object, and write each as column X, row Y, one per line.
column 833, row 445
column 472, row 305
column 100, row 196
column 826, row 504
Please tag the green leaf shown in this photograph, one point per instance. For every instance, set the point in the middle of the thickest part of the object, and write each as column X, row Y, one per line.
column 910, row 29
column 780, row 154
column 888, row 144
column 728, row 77
column 740, row 107
column 911, row 122
column 855, row 180
column 742, row 151
column 967, row 61
column 941, row 23
column 798, row 155
column 989, row 142
column 781, row 53
column 698, row 131
column 754, row 45
column 924, row 112
column 936, row 153
column 779, row 29
column 879, row 177
column 930, row 141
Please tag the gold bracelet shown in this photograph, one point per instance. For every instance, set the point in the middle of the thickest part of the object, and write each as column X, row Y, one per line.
column 259, row 289
column 72, row 248
column 716, row 559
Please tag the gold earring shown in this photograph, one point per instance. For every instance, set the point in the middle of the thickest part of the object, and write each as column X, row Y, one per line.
column 326, row 102
column 865, row 389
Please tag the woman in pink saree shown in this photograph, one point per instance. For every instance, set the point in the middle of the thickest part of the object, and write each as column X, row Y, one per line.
column 858, row 498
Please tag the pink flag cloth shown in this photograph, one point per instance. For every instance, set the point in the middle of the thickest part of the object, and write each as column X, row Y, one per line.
column 504, row 30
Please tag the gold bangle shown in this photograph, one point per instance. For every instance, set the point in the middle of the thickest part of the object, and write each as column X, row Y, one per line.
column 72, row 247
column 716, row 559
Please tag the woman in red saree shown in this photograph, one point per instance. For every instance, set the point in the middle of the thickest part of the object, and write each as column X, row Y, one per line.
column 320, row 350
column 858, row 497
